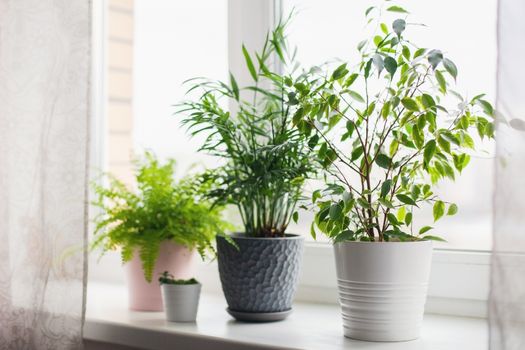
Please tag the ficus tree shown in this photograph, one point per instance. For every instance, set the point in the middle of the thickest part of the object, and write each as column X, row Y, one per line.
column 387, row 130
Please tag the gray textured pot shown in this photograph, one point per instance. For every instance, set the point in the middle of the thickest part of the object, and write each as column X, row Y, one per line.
column 260, row 278
column 181, row 301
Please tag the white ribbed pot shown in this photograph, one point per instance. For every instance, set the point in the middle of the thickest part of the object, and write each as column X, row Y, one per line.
column 181, row 301
column 383, row 288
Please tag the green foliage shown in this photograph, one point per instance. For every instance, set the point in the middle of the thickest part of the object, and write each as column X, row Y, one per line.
column 160, row 209
column 386, row 132
column 167, row 278
column 267, row 158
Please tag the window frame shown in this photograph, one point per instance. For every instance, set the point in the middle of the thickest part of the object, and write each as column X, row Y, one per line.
column 459, row 282
column 98, row 124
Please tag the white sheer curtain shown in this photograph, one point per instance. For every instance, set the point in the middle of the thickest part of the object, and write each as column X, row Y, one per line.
column 507, row 300
column 44, row 100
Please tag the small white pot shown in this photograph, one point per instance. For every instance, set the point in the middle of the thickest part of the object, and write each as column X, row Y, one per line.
column 181, row 301
column 383, row 288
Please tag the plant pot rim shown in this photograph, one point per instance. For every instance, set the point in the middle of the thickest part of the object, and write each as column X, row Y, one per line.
column 382, row 243
column 241, row 235
column 181, row 285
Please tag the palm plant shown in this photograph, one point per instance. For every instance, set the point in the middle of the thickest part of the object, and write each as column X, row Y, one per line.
column 267, row 158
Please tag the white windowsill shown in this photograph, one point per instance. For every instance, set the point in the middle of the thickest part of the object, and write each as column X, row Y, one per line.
column 311, row 326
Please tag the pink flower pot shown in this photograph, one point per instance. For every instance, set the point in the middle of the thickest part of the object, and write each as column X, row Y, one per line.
column 174, row 258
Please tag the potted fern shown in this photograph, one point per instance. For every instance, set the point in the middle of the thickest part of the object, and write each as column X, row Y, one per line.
column 157, row 227
column 266, row 163
column 386, row 132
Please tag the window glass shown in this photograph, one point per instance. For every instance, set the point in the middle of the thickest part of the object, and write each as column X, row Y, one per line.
column 152, row 47
column 174, row 41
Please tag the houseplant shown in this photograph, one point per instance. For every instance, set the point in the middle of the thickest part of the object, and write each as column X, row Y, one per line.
column 267, row 162
column 180, row 297
column 157, row 227
column 386, row 132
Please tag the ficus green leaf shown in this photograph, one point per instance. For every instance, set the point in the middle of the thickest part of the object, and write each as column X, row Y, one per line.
column 416, row 191
column 468, row 141
column 430, row 150
column 351, row 79
column 392, row 219
column 336, row 212
column 401, row 214
column 394, row 145
column 386, row 203
column 406, row 52
column 408, row 219
column 383, row 161
column 452, row 209
column 428, row 101
column 410, row 104
column 316, row 195
column 385, row 187
column 450, row 137
column 350, row 127
column 438, row 210
column 419, row 52
column 347, row 197
column 406, row 199
column 368, row 66
column 385, row 111
column 346, row 235
column 384, row 28
column 449, row 172
column 425, row 229
column 397, row 9
column 378, row 40
column 461, row 161
column 370, row 109
column 421, row 121
column 433, row 238
column 295, row 216
column 356, row 153
column 390, row 65
column 312, row 142
column 399, row 26
column 441, row 81
column 312, row 231
column 363, row 202
column 434, row 58
column 361, row 45
column 450, row 67
column 340, row 72
column 355, row 95
column 486, row 106
column 444, row 144
column 378, row 62
column 417, row 136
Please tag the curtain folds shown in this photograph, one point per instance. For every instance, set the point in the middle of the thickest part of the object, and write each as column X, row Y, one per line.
column 44, row 107
column 507, row 299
